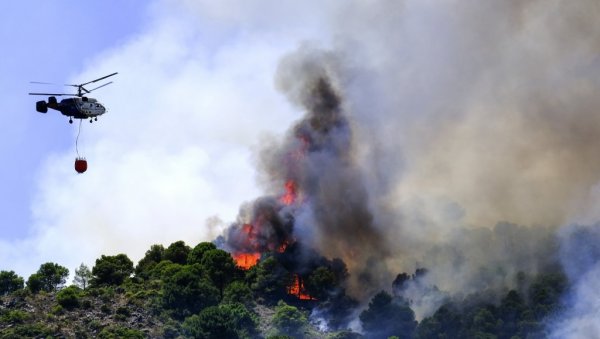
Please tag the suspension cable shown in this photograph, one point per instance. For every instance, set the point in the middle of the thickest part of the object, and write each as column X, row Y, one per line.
column 77, row 139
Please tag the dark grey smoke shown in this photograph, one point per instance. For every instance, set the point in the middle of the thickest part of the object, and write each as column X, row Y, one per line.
column 470, row 114
column 330, row 212
column 457, row 136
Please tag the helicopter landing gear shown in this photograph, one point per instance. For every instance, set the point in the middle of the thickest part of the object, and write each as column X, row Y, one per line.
column 96, row 119
column 91, row 120
column 70, row 120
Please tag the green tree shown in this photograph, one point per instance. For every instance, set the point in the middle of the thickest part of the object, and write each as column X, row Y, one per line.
column 49, row 277
column 511, row 311
column 220, row 268
column 196, row 255
column 223, row 321
column 69, row 297
column 238, row 292
column 82, row 277
column 10, row 282
column 34, row 283
column 289, row 320
column 483, row 324
column 385, row 318
column 111, row 270
column 177, row 252
column 268, row 279
column 445, row 323
column 321, row 282
column 545, row 293
column 164, row 269
column 188, row 291
column 152, row 257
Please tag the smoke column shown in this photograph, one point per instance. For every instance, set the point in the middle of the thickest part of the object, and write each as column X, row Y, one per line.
column 324, row 202
column 478, row 132
column 455, row 135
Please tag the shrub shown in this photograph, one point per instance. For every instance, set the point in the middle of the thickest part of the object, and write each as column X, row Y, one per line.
column 288, row 319
column 223, row 321
column 57, row 310
column 118, row 332
column 14, row 317
column 36, row 330
column 69, row 297
column 105, row 309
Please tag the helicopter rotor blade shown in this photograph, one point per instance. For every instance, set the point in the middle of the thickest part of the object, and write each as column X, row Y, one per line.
column 104, row 77
column 42, row 83
column 53, row 94
column 93, row 89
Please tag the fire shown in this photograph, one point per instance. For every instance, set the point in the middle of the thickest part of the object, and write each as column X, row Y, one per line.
column 282, row 247
column 296, row 288
column 248, row 238
column 246, row 260
column 248, row 256
column 290, row 193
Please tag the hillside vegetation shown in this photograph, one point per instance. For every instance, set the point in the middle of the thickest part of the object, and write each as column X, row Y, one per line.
column 200, row 292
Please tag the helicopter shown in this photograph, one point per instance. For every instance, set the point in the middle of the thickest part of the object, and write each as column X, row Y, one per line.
column 78, row 107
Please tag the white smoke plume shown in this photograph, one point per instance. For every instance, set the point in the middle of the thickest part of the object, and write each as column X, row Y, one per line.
column 471, row 115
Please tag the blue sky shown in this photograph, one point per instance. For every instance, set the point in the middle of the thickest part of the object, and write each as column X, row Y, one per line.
column 46, row 41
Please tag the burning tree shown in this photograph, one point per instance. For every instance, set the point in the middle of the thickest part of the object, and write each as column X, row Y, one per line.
column 318, row 208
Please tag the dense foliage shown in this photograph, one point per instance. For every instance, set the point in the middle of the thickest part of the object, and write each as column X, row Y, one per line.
column 223, row 321
column 199, row 292
column 111, row 270
column 515, row 316
column 48, row 278
column 289, row 320
column 10, row 282
column 188, row 291
column 386, row 317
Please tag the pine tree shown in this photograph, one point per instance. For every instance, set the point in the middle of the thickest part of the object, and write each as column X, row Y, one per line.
column 82, row 276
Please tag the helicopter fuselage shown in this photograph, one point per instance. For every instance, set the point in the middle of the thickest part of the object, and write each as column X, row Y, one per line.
column 77, row 107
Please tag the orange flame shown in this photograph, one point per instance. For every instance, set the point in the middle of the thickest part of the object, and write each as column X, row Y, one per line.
column 290, row 193
column 246, row 260
column 282, row 247
column 296, row 288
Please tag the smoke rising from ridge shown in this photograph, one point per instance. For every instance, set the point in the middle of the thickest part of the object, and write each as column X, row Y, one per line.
column 470, row 135
column 329, row 209
column 469, row 114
